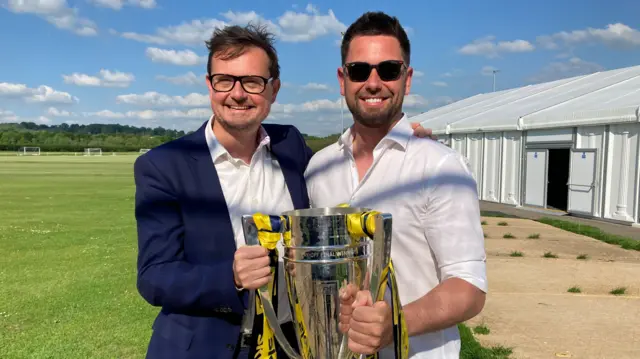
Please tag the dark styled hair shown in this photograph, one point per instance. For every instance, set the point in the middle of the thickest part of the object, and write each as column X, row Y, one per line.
column 376, row 23
column 232, row 41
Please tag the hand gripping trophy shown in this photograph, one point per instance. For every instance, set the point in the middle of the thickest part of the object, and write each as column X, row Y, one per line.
column 325, row 249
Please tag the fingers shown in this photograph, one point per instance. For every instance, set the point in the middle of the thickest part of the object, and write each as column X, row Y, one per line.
column 368, row 314
column 347, row 296
column 250, row 252
column 368, row 325
column 251, row 268
column 363, row 343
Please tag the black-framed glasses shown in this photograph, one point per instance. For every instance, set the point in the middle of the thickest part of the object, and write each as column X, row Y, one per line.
column 252, row 84
column 389, row 70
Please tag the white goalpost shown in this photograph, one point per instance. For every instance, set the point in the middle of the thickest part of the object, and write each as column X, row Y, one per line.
column 29, row 151
column 93, row 151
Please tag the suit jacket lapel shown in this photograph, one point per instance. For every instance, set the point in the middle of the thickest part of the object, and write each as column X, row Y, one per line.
column 293, row 173
column 212, row 198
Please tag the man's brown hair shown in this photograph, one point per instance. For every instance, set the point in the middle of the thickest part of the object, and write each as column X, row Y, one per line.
column 232, row 41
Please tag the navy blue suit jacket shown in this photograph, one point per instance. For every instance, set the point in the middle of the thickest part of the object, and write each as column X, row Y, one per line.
column 186, row 243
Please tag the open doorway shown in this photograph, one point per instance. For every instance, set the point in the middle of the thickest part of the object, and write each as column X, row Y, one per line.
column 558, row 177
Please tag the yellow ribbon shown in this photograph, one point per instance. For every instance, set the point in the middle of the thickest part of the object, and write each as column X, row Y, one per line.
column 268, row 237
column 270, row 228
column 363, row 224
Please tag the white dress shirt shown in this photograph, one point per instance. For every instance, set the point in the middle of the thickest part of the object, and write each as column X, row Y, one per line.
column 250, row 188
column 431, row 194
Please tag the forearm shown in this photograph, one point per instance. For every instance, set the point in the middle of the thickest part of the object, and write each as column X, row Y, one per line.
column 184, row 287
column 451, row 302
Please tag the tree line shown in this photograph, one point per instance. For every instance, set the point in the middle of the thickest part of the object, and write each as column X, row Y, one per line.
column 108, row 137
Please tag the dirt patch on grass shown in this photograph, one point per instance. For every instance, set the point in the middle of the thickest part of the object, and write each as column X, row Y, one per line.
column 530, row 308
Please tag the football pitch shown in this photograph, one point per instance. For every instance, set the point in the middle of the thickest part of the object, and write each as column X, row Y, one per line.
column 68, row 264
column 68, row 239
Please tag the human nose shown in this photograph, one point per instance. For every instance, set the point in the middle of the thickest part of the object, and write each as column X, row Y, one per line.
column 373, row 84
column 237, row 92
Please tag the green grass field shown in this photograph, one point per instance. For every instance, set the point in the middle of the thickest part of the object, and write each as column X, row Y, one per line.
column 67, row 270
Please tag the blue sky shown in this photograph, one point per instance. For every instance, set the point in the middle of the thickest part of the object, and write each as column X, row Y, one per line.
column 142, row 62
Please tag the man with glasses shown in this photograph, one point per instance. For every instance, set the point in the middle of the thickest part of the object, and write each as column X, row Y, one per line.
column 438, row 243
column 192, row 192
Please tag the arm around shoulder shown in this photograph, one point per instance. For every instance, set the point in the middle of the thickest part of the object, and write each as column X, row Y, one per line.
column 165, row 278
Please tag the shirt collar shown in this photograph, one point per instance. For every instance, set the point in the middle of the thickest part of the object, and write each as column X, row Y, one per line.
column 400, row 134
column 219, row 153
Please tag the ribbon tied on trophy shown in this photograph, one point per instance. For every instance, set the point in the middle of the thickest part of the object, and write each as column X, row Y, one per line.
column 360, row 225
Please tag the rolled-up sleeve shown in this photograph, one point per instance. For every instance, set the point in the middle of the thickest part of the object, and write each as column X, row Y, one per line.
column 452, row 222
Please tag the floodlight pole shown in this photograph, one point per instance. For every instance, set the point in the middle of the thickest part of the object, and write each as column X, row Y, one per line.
column 341, row 103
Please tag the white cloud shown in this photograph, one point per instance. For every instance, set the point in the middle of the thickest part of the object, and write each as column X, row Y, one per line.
column 453, row 73
column 7, row 116
column 486, row 46
column 42, row 94
column 105, row 78
column 173, row 57
column 291, row 26
column 570, row 68
column 10, row 117
column 118, row 4
column 439, row 84
column 313, row 86
column 155, row 99
column 56, row 12
column 618, row 36
column 417, row 73
column 188, row 79
column 54, row 112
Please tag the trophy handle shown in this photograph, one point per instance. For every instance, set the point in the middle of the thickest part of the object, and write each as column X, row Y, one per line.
column 378, row 227
column 251, row 238
column 381, row 250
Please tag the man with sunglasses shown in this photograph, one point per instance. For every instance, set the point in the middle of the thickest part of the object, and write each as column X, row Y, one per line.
column 192, row 192
column 438, row 243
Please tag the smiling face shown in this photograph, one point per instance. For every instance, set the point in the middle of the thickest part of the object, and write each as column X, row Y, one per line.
column 238, row 109
column 374, row 102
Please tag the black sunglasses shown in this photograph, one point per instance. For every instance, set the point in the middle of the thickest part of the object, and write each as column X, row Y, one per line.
column 252, row 84
column 389, row 70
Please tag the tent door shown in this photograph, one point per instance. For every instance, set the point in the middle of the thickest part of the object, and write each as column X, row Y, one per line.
column 582, row 181
column 535, row 193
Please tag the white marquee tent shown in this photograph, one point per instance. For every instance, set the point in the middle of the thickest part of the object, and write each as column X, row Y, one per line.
column 570, row 144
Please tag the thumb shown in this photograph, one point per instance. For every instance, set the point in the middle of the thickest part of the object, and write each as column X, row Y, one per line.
column 380, row 305
column 363, row 298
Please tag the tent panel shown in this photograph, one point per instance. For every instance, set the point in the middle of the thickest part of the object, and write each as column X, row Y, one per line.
column 474, row 144
column 491, row 178
column 511, row 162
column 622, row 161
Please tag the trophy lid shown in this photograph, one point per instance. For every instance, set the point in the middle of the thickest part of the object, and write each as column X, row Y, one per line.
column 325, row 211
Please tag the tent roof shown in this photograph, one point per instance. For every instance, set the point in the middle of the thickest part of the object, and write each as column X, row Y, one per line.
column 617, row 103
column 609, row 95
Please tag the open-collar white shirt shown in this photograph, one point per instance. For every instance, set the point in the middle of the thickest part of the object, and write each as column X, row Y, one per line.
column 431, row 194
column 248, row 188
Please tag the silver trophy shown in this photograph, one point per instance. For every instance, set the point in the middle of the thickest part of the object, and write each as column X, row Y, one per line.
column 324, row 249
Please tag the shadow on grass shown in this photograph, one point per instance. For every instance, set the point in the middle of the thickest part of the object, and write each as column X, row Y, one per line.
column 593, row 232
column 497, row 214
column 577, row 228
column 471, row 348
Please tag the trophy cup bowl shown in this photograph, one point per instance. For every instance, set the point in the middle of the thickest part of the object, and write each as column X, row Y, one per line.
column 324, row 250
